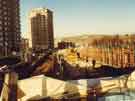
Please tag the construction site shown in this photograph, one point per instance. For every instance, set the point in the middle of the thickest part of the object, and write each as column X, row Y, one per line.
column 63, row 75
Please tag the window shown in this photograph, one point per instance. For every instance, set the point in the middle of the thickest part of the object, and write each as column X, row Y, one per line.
column 1, row 38
column 5, row 8
column 0, row 22
column 6, row 33
column 4, row 2
column 1, row 44
column 5, row 13
column 1, row 34
column 0, row 27
column 5, row 23
column 5, row 18
column 5, row 28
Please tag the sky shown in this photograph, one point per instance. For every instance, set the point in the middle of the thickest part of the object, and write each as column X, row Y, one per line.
column 74, row 17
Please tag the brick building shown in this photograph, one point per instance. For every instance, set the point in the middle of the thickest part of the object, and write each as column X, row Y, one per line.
column 41, row 28
column 10, row 34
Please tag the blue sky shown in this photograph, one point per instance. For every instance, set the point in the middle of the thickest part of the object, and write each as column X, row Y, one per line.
column 73, row 17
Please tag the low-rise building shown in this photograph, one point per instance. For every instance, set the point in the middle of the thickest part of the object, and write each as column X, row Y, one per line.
column 64, row 45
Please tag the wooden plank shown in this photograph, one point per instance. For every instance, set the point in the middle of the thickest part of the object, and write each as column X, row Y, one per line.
column 9, row 91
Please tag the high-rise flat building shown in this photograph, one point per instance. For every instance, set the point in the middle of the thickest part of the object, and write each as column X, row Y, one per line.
column 9, row 27
column 41, row 28
column 24, row 49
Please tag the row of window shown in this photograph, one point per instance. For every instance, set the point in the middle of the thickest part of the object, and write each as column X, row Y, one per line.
column 5, row 23
column 5, row 28
column 3, row 2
